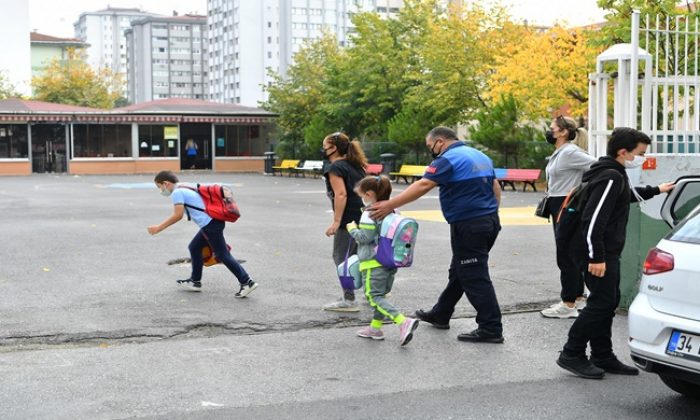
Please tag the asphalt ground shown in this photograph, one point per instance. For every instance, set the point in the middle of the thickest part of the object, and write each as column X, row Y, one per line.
column 93, row 325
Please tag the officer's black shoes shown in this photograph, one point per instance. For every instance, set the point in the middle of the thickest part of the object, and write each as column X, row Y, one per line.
column 429, row 317
column 580, row 366
column 614, row 366
column 481, row 336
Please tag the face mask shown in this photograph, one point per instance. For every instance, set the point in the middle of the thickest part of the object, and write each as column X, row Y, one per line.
column 165, row 192
column 635, row 163
column 432, row 151
column 323, row 155
column 549, row 136
column 367, row 203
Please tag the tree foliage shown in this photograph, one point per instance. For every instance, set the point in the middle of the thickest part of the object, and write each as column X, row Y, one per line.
column 73, row 81
column 7, row 89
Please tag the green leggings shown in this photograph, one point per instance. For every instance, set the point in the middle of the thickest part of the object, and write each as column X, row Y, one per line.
column 378, row 282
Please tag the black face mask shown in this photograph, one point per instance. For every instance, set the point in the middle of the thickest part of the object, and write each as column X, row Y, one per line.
column 323, row 155
column 432, row 151
column 549, row 136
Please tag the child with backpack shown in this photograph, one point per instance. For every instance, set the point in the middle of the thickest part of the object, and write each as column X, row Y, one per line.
column 378, row 279
column 211, row 232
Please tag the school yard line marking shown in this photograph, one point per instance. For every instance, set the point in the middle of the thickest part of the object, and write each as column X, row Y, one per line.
column 510, row 216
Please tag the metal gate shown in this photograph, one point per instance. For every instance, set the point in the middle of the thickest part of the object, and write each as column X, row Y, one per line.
column 662, row 99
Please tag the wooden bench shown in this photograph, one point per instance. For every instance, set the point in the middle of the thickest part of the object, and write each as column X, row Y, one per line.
column 409, row 171
column 287, row 165
column 511, row 176
column 374, row 168
column 312, row 167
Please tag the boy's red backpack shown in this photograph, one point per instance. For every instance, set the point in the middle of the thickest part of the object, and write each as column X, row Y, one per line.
column 218, row 202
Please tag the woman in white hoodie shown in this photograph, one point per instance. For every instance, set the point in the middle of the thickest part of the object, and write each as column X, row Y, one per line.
column 564, row 171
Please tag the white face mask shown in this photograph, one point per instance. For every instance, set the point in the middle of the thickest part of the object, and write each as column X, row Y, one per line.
column 165, row 192
column 367, row 203
column 635, row 163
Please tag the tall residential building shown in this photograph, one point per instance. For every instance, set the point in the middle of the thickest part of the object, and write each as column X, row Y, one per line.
column 15, row 66
column 248, row 37
column 167, row 58
column 104, row 31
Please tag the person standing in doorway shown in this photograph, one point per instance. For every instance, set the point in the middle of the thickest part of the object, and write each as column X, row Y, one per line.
column 191, row 153
column 346, row 169
column 469, row 198
column 564, row 171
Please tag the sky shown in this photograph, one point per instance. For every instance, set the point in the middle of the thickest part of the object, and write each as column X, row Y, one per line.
column 56, row 18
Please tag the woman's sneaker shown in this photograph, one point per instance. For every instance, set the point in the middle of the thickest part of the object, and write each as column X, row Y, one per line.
column 246, row 289
column 189, row 284
column 342, row 305
column 369, row 332
column 580, row 303
column 560, row 310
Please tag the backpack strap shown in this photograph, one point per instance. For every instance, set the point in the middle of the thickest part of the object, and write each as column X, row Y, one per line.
column 189, row 217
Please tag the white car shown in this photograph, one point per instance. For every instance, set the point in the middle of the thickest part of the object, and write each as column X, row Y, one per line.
column 664, row 319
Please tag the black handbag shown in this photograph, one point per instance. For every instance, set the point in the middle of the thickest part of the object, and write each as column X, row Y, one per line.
column 542, row 209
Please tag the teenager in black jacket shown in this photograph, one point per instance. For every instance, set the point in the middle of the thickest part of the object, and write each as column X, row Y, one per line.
column 602, row 238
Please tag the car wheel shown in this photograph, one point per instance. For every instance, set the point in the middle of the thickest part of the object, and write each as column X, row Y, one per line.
column 686, row 388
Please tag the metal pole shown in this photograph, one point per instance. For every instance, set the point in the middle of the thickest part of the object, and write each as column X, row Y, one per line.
column 634, row 70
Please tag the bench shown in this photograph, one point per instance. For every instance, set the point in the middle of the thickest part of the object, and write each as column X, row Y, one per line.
column 511, row 176
column 313, row 167
column 409, row 171
column 374, row 168
column 287, row 165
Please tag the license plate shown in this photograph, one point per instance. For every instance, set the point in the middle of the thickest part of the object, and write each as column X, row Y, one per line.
column 683, row 344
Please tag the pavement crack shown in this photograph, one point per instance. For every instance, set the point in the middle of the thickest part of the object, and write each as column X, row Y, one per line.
column 24, row 342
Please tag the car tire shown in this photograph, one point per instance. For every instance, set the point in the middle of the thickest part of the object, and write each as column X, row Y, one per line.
column 689, row 389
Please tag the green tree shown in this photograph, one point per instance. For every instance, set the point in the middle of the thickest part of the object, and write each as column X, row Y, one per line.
column 73, row 81
column 7, row 89
column 500, row 129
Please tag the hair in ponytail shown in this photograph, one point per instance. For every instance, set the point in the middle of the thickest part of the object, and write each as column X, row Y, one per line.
column 581, row 139
column 379, row 184
column 351, row 150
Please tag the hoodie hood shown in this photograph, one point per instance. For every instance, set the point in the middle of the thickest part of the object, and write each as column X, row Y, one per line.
column 604, row 163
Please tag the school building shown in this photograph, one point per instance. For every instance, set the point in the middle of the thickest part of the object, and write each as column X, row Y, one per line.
column 37, row 137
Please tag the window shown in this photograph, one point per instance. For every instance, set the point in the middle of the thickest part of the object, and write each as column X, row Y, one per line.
column 102, row 140
column 238, row 140
column 14, row 143
column 152, row 141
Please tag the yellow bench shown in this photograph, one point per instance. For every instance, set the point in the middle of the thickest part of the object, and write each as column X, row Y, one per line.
column 409, row 171
column 287, row 165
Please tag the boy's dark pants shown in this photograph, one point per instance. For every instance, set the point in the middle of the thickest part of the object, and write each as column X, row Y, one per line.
column 213, row 235
column 594, row 323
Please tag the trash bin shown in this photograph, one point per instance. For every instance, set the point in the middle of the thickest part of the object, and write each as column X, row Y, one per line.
column 388, row 161
column 269, row 161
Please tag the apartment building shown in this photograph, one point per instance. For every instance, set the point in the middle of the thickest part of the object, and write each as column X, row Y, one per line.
column 247, row 38
column 167, row 58
column 104, row 30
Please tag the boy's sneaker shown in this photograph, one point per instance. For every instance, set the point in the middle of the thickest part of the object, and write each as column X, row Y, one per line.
column 406, row 330
column 189, row 284
column 580, row 303
column 246, row 289
column 342, row 305
column 560, row 310
column 369, row 332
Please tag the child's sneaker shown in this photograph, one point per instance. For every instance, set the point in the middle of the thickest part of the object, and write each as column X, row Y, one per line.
column 406, row 330
column 189, row 284
column 369, row 332
column 246, row 289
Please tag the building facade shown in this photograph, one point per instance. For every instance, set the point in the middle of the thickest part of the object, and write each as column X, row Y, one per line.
column 15, row 67
column 38, row 137
column 46, row 48
column 247, row 38
column 167, row 58
column 104, row 32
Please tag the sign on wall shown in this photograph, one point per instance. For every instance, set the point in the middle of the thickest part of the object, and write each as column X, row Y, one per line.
column 170, row 132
